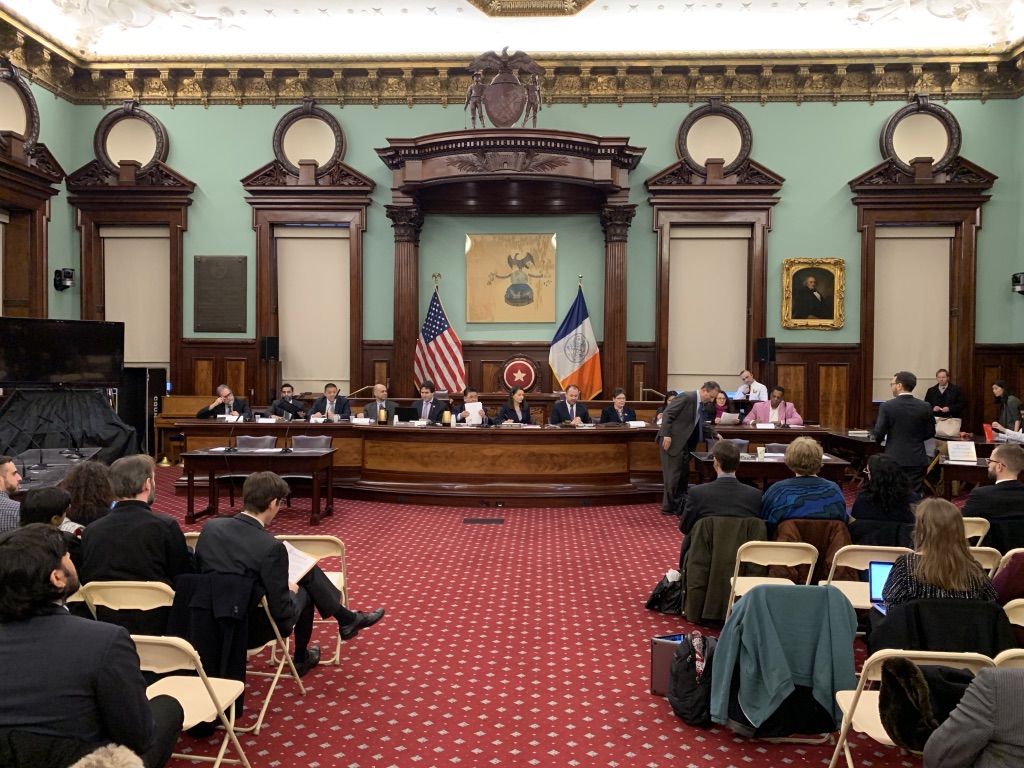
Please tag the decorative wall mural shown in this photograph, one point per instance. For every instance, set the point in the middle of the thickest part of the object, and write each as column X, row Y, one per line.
column 510, row 278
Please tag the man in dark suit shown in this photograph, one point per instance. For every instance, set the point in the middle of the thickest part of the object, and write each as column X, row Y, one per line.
column 380, row 403
column 905, row 423
column 241, row 546
column 475, row 416
column 134, row 543
column 947, row 400
column 726, row 496
column 809, row 304
column 681, row 430
column 1004, row 499
column 226, row 404
column 330, row 405
column 430, row 408
column 286, row 406
column 571, row 410
column 70, row 684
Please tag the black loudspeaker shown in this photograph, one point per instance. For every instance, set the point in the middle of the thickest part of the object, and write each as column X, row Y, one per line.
column 766, row 350
column 270, row 348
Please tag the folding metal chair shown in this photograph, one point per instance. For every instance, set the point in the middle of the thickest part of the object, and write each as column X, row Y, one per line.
column 323, row 547
column 768, row 553
column 202, row 698
column 988, row 558
column 859, row 557
column 1011, row 659
column 127, row 595
column 1008, row 556
column 976, row 526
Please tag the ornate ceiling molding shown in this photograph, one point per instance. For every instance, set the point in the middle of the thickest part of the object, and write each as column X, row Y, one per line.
column 615, row 79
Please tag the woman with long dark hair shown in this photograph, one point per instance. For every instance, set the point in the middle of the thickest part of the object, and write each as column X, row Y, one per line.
column 1008, row 408
column 887, row 495
column 516, row 410
column 88, row 482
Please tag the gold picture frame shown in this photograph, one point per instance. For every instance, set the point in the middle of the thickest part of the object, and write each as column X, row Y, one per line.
column 510, row 278
column 813, row 294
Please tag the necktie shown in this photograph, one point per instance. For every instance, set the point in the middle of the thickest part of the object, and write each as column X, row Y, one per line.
column 330, row 408
column 572, row 412
column 426, row 410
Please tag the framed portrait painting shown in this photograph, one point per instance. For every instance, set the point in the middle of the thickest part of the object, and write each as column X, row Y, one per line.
column 812, row 294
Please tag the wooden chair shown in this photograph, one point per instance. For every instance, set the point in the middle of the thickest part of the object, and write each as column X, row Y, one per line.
column 127, row 595
column 202, row 698
column 768, row 553
column 988, row 558
column 860, row 706
column 859, row 558
column 322, row 547
column 976, row 526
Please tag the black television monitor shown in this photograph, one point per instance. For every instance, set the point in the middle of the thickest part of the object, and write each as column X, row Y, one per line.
column 60, row 353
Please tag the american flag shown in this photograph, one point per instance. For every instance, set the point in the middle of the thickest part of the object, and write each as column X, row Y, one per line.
column 439, row 351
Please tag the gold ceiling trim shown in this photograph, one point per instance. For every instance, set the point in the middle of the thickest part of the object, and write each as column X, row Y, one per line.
column 510, row 9
column 570, row 79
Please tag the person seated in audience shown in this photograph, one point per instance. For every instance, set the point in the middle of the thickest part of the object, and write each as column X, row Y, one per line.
column 380, row 403
column 431, row 408
column 776, row 411
column 516, row 410
column 10, row 481
column 241, row 546
column 279, row 411
column 571, row 410
column 1009, row 581
column 88, row 482
column 226, row 404
column 330, row 405
column 49, row 506
column 470, row 395
column 669, row 397
column 1008, row 408
column 751, row 389
column 725, row 496
column 947, row 400
column 887, row 495
column 805, row 496
column 941, row 565
column 70, row 685
column 986, row 728
column 618, row 412
column 1004, row 499
column 713, row 411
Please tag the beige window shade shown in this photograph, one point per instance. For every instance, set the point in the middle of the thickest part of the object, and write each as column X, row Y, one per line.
column 137, row 291
column 911, row 304
column 708, row 273
column 313, row 289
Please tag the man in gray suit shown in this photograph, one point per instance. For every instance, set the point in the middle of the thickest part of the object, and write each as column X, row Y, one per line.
column 986, row 730
column 681, row 430
column 241, row 546
column 906, row 423
column 380, row 403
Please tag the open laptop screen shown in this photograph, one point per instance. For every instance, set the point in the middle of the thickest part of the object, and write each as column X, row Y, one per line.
column 878, row 574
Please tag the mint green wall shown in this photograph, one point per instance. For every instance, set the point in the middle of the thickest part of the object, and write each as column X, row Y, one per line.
column 817, row 148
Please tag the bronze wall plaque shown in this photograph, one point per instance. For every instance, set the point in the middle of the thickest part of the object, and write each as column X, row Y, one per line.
column 219, row 287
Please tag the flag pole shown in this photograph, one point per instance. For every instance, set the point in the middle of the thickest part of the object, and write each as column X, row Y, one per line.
column 581, row 280
column 436, row 277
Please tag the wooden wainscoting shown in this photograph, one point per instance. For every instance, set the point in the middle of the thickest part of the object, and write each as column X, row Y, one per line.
column 991, row 362
column 206, row 363
column 821, row 380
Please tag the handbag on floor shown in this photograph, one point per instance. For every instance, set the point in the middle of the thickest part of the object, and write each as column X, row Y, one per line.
column 667, row 596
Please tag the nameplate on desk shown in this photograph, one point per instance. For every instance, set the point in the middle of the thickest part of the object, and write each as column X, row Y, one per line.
column 229, row 417
column 637, row 424
column 858, row 433
column 265, row 420
column 962, row 451
column 765, row 426
column 363, row 422
column 317, row 421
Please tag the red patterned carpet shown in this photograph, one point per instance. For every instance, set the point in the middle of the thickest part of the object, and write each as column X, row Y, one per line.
column 518, row 644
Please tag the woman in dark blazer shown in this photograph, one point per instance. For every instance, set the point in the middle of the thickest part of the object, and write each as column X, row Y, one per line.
column 516, row 410
column 618, row 412
column 887, row 495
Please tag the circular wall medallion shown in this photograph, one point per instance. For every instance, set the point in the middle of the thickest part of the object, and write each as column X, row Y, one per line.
column 920, row 129
column 130, row 133
column 519, row 371
column 714, row 130
column 18, row 110
column 308, row 133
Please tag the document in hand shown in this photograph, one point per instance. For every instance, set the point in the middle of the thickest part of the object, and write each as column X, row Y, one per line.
column 299, row 563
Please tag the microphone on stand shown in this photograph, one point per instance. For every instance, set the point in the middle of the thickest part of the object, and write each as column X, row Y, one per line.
column 230, row 448
column 65, row 429
column 34, row 444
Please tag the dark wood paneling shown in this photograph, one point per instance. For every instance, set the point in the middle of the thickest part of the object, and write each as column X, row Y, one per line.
column 793, row 378
column 991, row 362
column 821, row 379
column 834, row 396
column 209, row 362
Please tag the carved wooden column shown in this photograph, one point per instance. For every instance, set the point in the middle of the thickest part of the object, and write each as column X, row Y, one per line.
column 615, row 220
column 407, row 221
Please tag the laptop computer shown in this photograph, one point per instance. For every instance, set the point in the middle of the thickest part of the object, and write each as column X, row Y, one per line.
column 878, row 574
column 407, row 413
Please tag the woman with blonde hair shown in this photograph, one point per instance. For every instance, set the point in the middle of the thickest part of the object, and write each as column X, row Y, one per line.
column 941, row 565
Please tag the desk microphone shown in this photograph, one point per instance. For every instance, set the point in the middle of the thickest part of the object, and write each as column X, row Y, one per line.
column 230, row 448
column 65, row 429
column 34, row 444
column 287, row 448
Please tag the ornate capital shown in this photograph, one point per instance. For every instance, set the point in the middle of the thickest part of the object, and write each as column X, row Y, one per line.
column 615, row 219
column 407, row 221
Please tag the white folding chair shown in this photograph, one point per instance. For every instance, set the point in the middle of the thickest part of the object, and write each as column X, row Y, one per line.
column 191, row 537
column 976, row 526
column 1015, row 612
column 988, row 558
column 127, row 595
column 860, row 706
column 323, row 547
column 202, row 698
column 859, row 557
column 278, row 645
column 1012, row 658
column 790, row 554
column 1008, row 556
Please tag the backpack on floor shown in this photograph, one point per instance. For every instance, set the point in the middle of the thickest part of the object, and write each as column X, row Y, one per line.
column 689, row 686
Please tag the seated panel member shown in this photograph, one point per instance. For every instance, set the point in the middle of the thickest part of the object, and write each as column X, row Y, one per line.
column 380, row 402
column 516, row 410
column 70, row 685
column 618, row 412
column 431, row 408
column 571, row 410
column 776, row 411
column 241, row 546
column 330, row 404
column 714, row 410
column 750, row 388
column 277, row 411
column 226, row 404
column 470, row 395
column 1005, row 499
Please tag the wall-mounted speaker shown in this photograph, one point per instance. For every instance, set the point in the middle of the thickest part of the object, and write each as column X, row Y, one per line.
column 270, row 348
column 766, row 350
